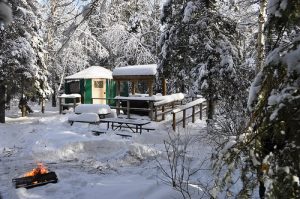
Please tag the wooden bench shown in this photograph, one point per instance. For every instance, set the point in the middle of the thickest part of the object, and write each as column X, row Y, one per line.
column 143, row 128
column 90, row 118
column 136, row 126
column 104, row 131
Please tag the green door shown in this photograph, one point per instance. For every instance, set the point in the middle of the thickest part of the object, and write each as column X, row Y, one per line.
column 88, row 91
column 110, row 92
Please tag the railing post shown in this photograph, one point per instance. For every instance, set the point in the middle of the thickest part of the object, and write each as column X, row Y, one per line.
column 193, row 114
column 118, row 92
column 200, row 111
column 74, row 103
column 155, row 109
column 128, row 109
column 118, row 107
column 183, row 118
column 163, row 112
column 174, row 121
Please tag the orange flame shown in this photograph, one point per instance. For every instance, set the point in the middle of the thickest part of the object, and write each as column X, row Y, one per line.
column 41, row 169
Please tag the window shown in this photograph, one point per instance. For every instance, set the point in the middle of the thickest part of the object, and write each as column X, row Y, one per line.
column 98, row 84
column 75, row 87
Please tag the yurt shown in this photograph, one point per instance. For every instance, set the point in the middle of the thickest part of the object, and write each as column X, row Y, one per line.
column 94, row 84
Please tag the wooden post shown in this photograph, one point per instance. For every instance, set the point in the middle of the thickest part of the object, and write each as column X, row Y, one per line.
column 163, row 114
column 200, row 111
column 193, row 114
column 164, row 87
column 151, row 107
column 150, row 87
column 183, row 118
column 118, row 94
column 128, row 109
column 164, row 92
column 133, row 85
column 155, row 110
column 174, row 121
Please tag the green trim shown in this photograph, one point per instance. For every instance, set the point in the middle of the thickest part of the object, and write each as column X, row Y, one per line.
column 111, row 92
column 88, row 91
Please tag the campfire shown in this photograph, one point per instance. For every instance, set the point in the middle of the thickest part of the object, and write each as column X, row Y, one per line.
column 36, row 177
column 41, row 169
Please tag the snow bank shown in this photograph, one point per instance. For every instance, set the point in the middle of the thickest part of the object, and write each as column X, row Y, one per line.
column 142, row 152
column 135, row 70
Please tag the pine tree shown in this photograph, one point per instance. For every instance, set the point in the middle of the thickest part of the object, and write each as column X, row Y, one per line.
column 128, row 30
column 199, row 49
column 276, row 106
column 22, row 52
column 268, row 151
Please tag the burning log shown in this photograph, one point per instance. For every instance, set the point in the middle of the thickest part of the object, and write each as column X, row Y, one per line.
column 37, row 177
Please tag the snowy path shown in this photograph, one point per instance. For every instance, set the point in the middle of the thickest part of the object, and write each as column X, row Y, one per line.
column 87, row 166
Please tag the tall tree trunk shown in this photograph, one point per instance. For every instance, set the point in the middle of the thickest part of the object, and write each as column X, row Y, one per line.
column 2, row 102
column 259, row 66
column 260, row 37
column 53, row 94
column 210, row 107
column 8, row 97
column 51, row 31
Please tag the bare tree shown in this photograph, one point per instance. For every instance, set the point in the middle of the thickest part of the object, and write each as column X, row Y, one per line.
column 178, row 172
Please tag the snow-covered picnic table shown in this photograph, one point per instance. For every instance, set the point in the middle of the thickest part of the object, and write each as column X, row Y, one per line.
column 89, row 113
column 100, row 109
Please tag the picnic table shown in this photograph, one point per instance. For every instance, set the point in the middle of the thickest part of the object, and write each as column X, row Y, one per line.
column 101, row 110
column 90, row 113
column 136, row 126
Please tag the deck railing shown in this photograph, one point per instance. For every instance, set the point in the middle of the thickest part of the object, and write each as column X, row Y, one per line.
column 192, row 105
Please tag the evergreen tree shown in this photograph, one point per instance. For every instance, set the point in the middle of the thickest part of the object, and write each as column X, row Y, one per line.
column 199, row 50
column 22, row 65
column 268, row 151
column 128, row 30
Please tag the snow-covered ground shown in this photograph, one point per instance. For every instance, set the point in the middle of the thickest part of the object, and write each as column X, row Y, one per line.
column 88, row 166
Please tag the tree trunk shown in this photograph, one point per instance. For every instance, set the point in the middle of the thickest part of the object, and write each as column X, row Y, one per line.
column 8, row 97
column 54, row 95
column 260, row 36
column 2, row 103
column 210, row 108
column 43, row 105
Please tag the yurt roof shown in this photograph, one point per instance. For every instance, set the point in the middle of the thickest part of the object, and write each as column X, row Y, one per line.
column 93, row 72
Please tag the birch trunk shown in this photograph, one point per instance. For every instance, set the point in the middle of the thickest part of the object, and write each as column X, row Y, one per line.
column 51, row 53
column 260, row 37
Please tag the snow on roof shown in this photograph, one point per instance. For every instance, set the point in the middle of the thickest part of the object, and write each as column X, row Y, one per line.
column 150, row 69
column 92, row 72
column 159, row 99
